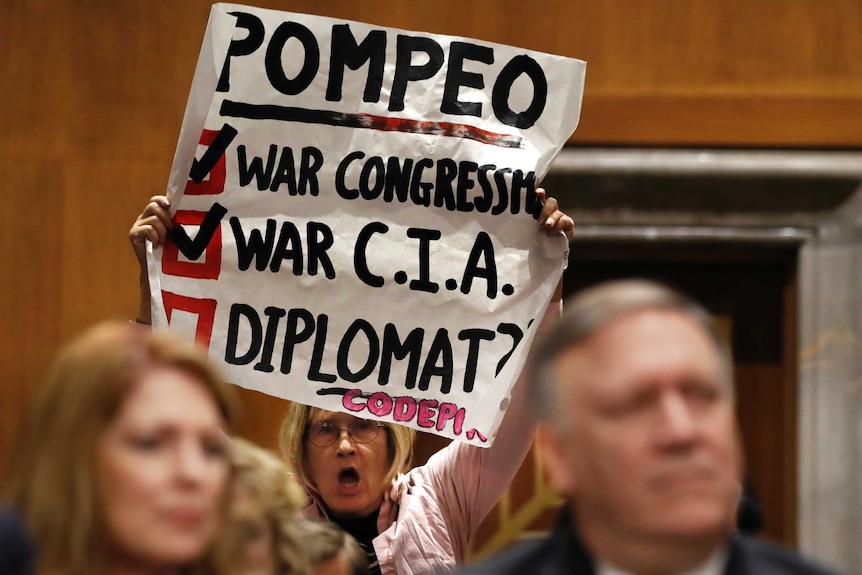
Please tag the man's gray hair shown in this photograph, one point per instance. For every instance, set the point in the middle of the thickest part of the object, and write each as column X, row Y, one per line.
column 596, row 307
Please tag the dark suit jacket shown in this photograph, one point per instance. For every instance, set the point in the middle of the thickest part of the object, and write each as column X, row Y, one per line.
column 16, row 551
column 562, row 552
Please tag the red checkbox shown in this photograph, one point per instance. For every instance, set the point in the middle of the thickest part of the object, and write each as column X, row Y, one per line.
column 215, row 183
column 204, row 309
column 209, row 268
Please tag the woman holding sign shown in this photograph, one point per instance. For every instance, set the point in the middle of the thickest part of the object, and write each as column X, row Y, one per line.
column 357, row 473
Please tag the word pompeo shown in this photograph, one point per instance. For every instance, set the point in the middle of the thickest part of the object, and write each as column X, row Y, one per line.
column 417, row 58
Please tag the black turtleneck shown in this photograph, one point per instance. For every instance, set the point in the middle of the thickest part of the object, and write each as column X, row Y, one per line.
column 364, row 530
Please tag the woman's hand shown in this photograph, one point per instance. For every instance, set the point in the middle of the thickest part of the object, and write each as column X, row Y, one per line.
column 153, row 224
column 552, row 219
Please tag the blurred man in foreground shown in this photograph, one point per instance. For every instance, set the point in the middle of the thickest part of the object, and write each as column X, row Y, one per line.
column 634, row 390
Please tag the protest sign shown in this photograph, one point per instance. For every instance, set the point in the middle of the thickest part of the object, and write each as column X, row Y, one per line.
column 355, row 215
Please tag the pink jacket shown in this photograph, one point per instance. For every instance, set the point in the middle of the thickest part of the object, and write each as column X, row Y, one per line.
column 431, row 512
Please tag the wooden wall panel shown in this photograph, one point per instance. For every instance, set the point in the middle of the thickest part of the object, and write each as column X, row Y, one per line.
column 94, row 92
column 662, row 72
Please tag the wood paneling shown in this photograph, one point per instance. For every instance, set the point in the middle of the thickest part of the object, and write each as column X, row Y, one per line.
column 707, row 72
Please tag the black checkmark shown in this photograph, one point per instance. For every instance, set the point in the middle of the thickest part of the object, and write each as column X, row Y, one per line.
column 202, row 167
column 193, row 249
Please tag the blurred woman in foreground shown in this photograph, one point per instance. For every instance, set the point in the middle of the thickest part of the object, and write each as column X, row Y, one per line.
column 123, row 465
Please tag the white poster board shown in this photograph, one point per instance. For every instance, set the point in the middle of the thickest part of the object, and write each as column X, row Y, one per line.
column 355, row 215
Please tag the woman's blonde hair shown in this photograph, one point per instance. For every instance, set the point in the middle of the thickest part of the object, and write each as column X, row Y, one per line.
column 325, row 540
column 53, row 484
column 277, row 495
column 400, row 441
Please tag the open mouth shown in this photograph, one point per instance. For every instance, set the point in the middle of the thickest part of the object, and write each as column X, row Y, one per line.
column 348, row 476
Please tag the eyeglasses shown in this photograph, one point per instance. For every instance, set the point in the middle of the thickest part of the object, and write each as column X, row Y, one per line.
column 324, row 433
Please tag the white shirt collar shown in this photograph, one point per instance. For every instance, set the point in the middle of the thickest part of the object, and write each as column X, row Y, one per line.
column 714, row 565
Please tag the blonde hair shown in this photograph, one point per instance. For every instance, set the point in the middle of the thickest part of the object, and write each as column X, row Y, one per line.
column 324, row 541
column 400, row 441
column 273, row 488
column 53, row 483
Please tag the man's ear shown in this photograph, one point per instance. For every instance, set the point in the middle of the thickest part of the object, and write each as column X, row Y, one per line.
column 555, row 458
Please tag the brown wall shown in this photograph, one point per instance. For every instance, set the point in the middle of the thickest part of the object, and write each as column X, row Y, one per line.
column 93, row 93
